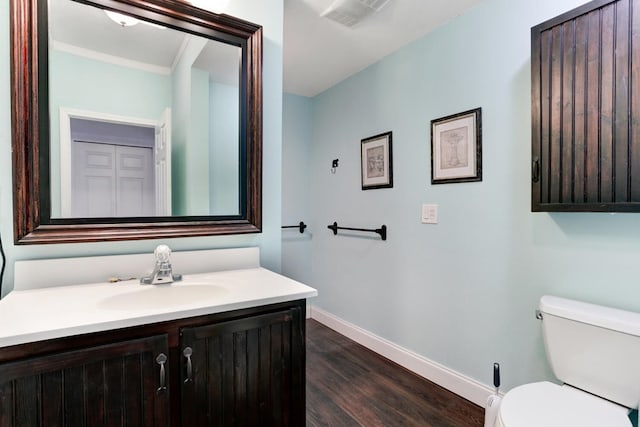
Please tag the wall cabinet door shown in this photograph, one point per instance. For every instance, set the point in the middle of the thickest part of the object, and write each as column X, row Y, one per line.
column 249, row 371
column 116, row 384
column 585, row 94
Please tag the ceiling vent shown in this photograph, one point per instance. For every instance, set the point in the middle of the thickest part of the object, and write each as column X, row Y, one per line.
column 350, row 12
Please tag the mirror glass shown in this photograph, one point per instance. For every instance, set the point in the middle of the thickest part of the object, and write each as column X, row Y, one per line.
column 133, row 119
column 144, row 119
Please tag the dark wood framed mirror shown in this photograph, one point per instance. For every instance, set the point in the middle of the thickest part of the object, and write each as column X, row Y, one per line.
column 38, row 218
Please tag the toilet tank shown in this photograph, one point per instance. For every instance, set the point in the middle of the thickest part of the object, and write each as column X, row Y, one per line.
column 593, row 348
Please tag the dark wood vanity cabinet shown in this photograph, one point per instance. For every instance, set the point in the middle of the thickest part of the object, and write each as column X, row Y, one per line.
column 114, row 384
column 244, row 372
column 243, row 367
column 585, row 81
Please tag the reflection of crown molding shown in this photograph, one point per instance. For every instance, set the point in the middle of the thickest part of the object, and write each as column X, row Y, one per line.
column 103, row 57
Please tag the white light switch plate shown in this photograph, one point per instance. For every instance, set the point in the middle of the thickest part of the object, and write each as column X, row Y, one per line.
column 429, row 214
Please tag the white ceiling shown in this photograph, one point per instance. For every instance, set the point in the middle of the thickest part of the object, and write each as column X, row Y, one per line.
column 87, row 27
column 318, row 52
column 87, row 31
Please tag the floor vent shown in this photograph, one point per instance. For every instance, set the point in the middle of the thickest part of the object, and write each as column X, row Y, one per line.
column 350, row 12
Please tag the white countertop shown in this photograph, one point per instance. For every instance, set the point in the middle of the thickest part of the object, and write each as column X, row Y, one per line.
column 40, row 314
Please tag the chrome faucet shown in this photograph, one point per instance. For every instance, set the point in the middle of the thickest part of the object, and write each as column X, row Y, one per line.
column 162, row 272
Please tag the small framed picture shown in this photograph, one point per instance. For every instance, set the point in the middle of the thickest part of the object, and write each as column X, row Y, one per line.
column 377, row 167
column 456, row 148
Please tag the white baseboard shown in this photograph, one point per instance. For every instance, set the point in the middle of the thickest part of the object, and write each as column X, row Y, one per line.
column 308, row 313
column 453, row 381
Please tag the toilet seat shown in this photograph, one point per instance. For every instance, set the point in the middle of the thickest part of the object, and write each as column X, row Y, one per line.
column 550, row 405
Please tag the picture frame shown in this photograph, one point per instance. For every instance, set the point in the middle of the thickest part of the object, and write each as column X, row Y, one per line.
column 376, row 161
column 456, row 148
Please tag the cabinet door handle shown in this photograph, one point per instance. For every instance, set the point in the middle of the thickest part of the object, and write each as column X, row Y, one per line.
column 535, row 170
column 187, row 352
column 161, row 360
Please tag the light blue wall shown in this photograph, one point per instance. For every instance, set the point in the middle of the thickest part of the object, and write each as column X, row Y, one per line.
column 297, row 127
column 182, row 130
column 462, row 292
column 190, row 133
column 198, row 145
column 270, row 16
column 79, row 82
column 224, row 173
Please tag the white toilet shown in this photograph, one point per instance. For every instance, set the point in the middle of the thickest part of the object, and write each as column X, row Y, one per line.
column 595, row 352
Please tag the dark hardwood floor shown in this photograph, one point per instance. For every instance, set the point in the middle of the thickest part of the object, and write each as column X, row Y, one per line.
column 349, row 385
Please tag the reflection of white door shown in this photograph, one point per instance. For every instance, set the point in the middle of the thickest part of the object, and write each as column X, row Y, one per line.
column 111, row 180
column 160, row 163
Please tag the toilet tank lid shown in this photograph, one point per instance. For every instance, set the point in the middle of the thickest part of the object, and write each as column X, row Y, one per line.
column 606, row 317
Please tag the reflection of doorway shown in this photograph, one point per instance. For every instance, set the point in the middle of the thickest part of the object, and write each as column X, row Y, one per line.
column 114, row 166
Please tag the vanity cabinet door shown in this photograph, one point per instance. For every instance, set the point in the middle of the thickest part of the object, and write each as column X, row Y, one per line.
column 249, row 371
column 116, row 384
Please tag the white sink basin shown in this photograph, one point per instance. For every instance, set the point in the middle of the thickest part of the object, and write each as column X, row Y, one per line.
column 163, row 296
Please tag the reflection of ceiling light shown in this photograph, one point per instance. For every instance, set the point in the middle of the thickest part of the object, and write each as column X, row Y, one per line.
column 215, row 6
column 124, row 20
column 129, row 21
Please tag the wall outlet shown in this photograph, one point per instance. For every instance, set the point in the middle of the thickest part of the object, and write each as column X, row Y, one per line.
column 429, row 214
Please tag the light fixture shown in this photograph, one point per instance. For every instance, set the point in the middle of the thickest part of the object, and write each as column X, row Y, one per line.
column 215, row 6
column 124, row 20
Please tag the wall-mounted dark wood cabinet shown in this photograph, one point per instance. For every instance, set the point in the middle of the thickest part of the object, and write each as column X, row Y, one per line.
column 585, row 81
